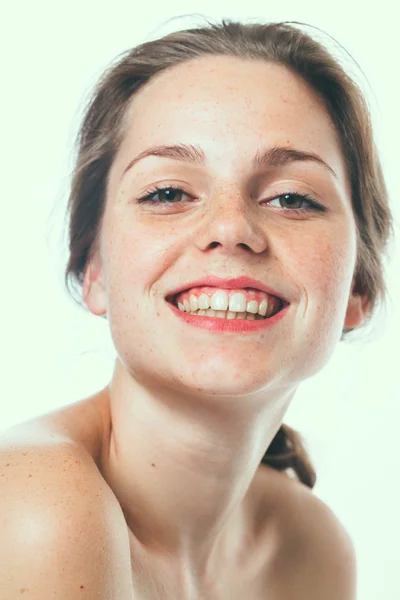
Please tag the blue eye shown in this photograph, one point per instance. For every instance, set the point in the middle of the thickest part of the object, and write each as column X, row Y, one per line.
column 169, row 194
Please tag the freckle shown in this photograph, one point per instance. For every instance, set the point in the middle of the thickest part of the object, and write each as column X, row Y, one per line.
column 153, row 465
column 30, row 475
column 8, row 464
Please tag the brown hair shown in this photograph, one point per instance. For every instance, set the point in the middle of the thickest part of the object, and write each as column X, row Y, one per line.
column 102, row 131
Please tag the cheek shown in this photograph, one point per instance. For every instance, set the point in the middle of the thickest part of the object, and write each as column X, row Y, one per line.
column 136, row 260
column 324, row 274
column 136, row 263
column 327, row 270
column 324, row 264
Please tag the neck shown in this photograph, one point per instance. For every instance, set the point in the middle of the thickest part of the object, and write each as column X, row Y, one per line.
column 182, row 467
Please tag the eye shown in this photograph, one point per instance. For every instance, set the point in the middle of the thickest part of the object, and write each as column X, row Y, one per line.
column 167, row 194
column 295, row 198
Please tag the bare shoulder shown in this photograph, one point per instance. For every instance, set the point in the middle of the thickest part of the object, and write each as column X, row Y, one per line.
column 59, row 449
column 315, row 548
column 60, row 522
column 31, row 457
column 80, row 423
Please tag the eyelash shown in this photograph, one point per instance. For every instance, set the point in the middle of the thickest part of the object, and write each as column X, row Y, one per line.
column 314, row 206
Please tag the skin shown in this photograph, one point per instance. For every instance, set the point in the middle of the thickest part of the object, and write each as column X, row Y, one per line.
column 193, row 411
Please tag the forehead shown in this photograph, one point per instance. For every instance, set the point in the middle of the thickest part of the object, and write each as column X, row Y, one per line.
column 231, row 103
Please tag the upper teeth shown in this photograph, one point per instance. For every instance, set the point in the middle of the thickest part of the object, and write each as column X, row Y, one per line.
column 237, row 302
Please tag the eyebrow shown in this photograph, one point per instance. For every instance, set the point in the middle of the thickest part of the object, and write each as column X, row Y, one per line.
column 275, row 156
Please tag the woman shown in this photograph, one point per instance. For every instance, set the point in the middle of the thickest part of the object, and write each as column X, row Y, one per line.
column 228, row 172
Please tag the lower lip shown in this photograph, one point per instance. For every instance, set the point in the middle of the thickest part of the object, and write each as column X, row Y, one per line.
column 229, row 325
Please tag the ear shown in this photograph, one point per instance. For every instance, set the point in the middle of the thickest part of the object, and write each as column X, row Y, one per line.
column 357, row 308
column 93, row 289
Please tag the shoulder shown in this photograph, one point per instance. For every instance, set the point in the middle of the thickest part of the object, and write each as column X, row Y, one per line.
column 58, row 452
column 80, row 423
column 316, row 549
column 51, row 475
column 57, row 517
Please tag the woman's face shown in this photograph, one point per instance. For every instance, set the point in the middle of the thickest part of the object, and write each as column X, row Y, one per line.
column 229, row 222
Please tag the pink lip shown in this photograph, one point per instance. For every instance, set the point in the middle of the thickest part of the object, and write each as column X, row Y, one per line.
column 234, row 283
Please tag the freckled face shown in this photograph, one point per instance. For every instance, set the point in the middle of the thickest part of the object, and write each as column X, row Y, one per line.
column 223, row 225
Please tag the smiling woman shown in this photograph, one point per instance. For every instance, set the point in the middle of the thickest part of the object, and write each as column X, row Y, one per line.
column 208, row 160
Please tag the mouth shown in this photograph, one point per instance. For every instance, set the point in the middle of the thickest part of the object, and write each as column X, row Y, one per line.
column 174, row 299
column 278, row 306
column 238, row 283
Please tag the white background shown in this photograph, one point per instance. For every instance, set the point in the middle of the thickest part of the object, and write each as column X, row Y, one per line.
column 53, row 353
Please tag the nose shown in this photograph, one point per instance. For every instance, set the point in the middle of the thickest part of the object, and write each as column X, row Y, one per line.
column 233, row 224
